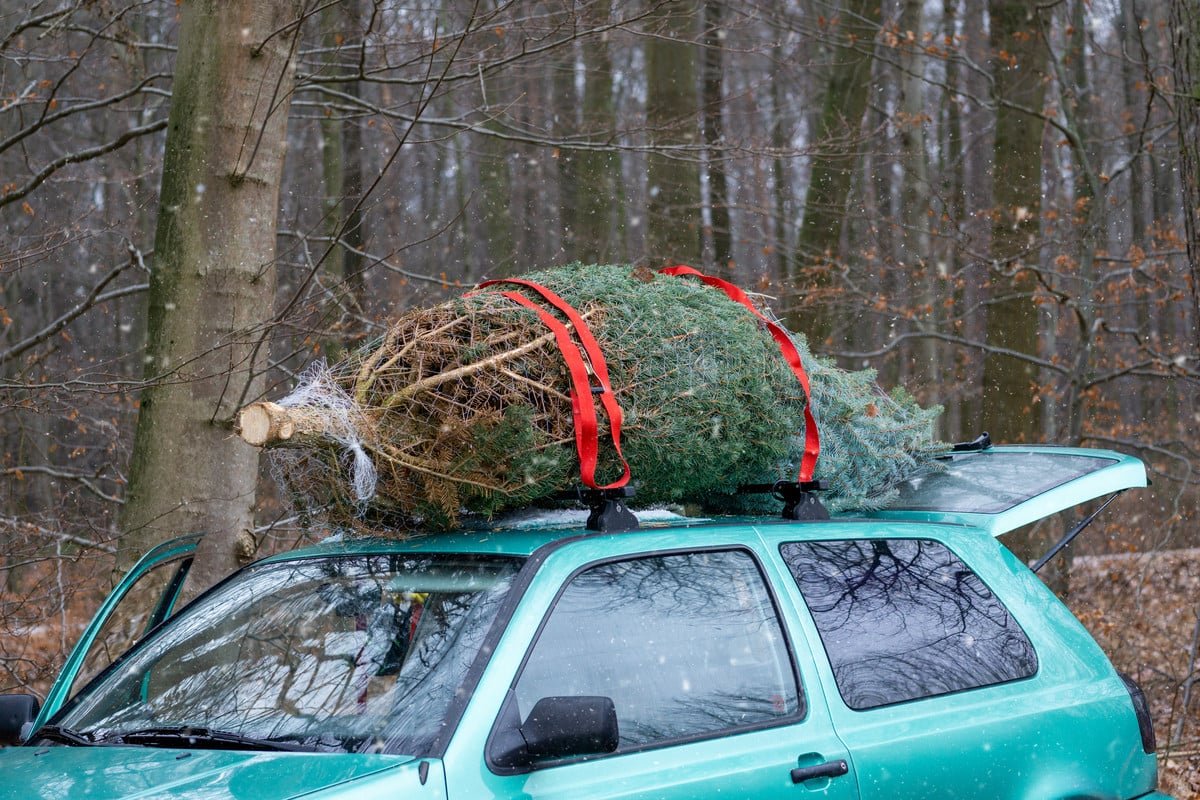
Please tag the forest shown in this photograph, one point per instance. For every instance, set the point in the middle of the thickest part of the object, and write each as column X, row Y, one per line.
column 993, row 203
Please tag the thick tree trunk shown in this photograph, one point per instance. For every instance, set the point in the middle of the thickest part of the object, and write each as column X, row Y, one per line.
column 1010, row 383
column 978, row 126
column 213, row 279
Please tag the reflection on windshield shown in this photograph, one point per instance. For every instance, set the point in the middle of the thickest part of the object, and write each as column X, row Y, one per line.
column 359, row 653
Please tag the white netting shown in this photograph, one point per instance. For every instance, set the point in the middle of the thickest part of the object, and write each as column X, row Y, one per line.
column 318, row 389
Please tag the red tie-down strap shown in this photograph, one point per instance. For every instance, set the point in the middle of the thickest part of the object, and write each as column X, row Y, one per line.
column 587, row 428
column 812, row 438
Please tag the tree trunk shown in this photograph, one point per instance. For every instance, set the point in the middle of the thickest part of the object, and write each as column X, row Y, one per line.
column 978, row 126
column 212, row 284
column 1009, row 383
column 1185, row 21
column 672, row 106
column 341, row 161
column 590, row 188
column 834, row 163
column 714, row 140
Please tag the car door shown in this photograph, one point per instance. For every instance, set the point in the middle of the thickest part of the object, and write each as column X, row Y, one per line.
column 952, row 671
column 690, row 647
column 146, row 596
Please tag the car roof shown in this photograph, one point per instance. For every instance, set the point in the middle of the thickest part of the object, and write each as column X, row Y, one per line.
column 698, row 532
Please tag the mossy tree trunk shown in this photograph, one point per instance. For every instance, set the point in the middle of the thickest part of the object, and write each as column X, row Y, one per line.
column 673, row 231
column 836, row 158
column 592, row 207
column 212, row 283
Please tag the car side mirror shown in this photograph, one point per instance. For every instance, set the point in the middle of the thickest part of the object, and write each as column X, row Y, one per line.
column 557, row 727
column 17, row 711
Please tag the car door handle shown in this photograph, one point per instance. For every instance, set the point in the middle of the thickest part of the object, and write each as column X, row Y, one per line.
column 830, row 769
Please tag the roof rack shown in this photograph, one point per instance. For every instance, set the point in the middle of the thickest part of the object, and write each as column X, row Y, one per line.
column 609, row 514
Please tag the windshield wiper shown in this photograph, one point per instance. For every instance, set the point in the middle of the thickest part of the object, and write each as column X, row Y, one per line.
column 64, row 735
column 205, row 738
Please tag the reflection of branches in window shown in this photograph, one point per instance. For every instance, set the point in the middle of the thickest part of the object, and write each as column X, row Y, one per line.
column 905, row 618
column 683, row 716
column 896, row 577
column 689, row 586
column 683, row 644
column 301, row 660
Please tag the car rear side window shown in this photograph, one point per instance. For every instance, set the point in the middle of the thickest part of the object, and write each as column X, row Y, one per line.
column 686, row 645
column 903, row 619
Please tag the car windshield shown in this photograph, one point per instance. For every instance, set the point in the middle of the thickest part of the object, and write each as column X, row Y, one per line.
column 349, row 653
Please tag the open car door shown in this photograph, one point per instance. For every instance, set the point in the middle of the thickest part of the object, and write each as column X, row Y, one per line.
column 1000, row 488
column 146, row 596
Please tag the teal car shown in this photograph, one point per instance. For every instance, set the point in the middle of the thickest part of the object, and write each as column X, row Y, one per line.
column 902, row 654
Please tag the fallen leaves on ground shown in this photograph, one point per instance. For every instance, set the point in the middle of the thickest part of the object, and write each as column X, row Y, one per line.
column 1144, row 610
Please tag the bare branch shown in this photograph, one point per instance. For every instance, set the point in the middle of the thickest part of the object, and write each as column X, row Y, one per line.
column 78, row 156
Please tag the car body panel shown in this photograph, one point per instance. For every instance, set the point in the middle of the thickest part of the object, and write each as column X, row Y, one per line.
column 1023, row 739
column 749, row 764
column 1017, row 484
column 109, row 773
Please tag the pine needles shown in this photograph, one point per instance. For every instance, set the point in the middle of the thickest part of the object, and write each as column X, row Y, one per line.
column 466, row 407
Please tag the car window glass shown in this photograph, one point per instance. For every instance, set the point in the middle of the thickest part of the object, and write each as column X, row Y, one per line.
column 685, row 645
column 991, row 483
column 148, row 602
column 903, row 619
column 341, row 653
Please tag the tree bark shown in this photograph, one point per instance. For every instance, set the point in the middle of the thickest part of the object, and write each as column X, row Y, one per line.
column 1009, row 383
column 833, row 165
column 213, row 278
column 1185, row 21
column 672, row 109
column 978, row 149
column 714, row 140
column 593, row 210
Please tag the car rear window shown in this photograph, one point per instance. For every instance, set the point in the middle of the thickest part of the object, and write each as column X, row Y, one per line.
column 993, row 482
column 903, row 619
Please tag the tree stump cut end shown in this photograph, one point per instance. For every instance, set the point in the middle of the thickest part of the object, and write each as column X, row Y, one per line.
column 262, row 424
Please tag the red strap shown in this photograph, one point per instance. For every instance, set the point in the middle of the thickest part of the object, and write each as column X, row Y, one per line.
column 587, row 429
column 812, row 439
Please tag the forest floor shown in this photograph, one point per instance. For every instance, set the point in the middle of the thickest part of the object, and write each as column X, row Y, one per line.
column 1144, row 609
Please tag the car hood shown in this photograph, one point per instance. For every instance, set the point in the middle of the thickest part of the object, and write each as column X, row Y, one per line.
column 104, row 773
